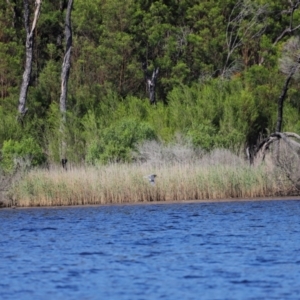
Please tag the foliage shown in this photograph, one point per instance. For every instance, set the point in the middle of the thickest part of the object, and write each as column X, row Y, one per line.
column 21, row 154
column 116, row 142
column 108, row 112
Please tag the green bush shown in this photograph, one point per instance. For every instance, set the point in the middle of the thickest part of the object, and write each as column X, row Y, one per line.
column 117, row 142
column 203, row 136
column 25, row 153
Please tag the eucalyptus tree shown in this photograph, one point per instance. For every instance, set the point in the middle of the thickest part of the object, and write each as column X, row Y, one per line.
column 64, row 79
column 22, row 109
column 67, row 60
column 247, row 22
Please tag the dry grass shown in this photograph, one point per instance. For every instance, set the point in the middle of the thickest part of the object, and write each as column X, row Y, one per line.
column 217, row 175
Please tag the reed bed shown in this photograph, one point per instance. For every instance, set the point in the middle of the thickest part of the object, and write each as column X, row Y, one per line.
column 126, row 183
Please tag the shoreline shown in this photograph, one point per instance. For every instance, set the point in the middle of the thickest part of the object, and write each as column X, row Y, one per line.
column 119, row 184
column 228, row 200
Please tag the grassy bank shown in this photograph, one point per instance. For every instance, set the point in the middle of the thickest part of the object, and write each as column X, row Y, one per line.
column 215, row 176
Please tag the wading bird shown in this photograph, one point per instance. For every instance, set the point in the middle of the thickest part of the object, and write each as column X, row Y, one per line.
column 151, row 178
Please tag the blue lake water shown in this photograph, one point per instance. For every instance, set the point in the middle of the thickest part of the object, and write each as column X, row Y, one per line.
column 234, row 250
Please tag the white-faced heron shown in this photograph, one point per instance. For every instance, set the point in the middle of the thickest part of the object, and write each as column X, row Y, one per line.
column 151, row 178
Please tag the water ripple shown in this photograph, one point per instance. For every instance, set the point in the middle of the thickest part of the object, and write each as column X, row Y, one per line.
column 242, row 250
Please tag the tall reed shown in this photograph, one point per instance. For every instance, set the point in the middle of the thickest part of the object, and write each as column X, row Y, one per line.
column 126, row 183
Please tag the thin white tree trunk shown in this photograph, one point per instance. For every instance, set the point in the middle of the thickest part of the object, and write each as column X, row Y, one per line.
column 67, row 60
column 65, row 77
column 22, row 109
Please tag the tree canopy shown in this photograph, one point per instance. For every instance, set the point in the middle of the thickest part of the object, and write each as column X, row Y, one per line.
column 218, row 84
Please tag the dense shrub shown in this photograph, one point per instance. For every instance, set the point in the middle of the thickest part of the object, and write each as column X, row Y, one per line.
column 118, row 140
column 21, row 154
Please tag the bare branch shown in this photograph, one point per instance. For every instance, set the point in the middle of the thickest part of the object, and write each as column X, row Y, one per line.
column 151, row 82
column 287, row 155
column 290, row 29
column 292, row 134
column 284, row 136
column 246, row 21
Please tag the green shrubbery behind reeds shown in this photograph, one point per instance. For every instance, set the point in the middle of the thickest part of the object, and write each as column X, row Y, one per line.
column 213, row 176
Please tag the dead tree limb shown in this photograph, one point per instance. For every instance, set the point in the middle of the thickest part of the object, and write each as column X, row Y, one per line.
column 294, row 5
column 287, row 137
column 151, row 82
column 287, row 159
column 260, row 151
column 22, row 109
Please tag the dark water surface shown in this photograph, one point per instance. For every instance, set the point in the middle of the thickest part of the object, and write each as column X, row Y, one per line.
column 236, row 250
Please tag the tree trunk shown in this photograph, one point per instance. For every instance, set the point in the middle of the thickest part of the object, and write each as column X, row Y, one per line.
column 293, row 69
column 280, row 102
column 67, row 60
column 64, row 80
column 151, row 82
column 22, row 109
column 286, row 158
